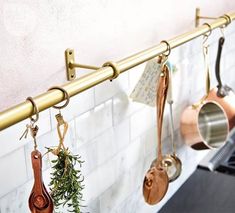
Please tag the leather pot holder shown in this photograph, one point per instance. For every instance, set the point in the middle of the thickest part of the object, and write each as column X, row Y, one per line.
column 156, row 180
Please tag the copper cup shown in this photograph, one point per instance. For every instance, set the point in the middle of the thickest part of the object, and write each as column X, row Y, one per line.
column 227, row 103
column 204, row 126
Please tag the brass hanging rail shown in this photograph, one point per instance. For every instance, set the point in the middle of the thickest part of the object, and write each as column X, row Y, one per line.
column 48, row 99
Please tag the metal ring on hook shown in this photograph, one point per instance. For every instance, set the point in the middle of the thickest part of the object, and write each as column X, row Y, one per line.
column 207, row 34
column 227, row 18
column 168, row 47
column 35, row 110
column 114, row 67
column 66, row 97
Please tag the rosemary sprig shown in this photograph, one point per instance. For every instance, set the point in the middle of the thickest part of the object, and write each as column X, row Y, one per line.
column 66, row 181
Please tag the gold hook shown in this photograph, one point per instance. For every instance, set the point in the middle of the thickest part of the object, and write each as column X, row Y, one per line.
column 66, row 96
column 227, row 18
column 62, row 125
column 207, row 34
column 114, row 66
column 222, row 30
column 35, row 110
column 168, row 48
column 31, row 127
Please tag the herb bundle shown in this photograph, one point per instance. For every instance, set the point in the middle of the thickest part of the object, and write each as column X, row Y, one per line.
column 66, row 181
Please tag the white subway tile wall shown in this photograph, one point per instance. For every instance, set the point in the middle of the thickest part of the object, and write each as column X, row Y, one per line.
column 115, row 137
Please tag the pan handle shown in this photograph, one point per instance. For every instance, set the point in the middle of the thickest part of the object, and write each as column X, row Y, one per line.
column 222, row 90
column 162, row 89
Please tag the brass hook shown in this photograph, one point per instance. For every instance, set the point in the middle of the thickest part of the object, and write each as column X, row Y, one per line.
column 31, row 127
column 222, row 30
column 35, row 110
column 66, row 97
column 114, row 66
column 168, row 48
column 207, row 34
column 62, row 125
column 227, row 18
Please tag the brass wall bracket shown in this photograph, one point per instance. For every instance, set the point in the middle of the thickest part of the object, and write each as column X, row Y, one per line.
column 198, row 17
column 71, row 65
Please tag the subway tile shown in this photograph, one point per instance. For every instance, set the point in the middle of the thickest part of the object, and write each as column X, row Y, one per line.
column 149, row 139
column 93, row 123
column 116, row 194
column 130, row 156
column 107, row 89
column 13, row 171
column 78, row 104
column 229, row 43
column 122, row 135
column 227, row 64
column 9, row 138
column 99, row 180
column 180, row 83
column 107, row 174
column 135, row 203
column 94, row 153
column 89, row 155
column 17, row 200
column 177, row 115
column 106, row 146
column 180, row 53
column 123, row 107
column 92, row 206
column 141, row 121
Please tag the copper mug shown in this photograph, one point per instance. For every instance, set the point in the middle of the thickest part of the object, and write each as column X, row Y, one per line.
column 204, row 126
column 223, row 94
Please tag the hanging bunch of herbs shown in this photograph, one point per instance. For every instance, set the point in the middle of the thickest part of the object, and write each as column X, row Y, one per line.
column 66, row 179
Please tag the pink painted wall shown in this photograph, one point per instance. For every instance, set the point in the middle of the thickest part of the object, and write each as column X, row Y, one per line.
column 34, row 35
